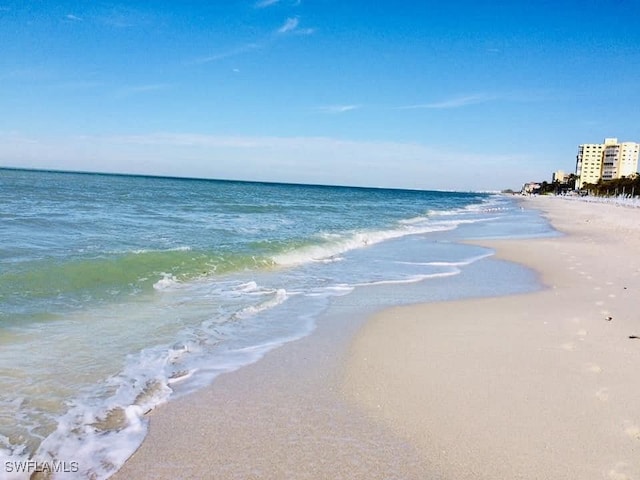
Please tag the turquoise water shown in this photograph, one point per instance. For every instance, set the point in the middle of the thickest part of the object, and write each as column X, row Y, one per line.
column 118, row 293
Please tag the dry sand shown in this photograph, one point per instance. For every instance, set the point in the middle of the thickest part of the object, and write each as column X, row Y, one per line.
column 538, row 386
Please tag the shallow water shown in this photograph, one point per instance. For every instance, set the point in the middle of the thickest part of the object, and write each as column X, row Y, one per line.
column 119, row 293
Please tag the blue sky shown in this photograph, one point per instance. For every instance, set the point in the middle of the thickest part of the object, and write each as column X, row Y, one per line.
column 458, row 95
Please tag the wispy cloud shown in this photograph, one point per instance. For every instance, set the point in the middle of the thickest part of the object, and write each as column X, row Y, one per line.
column 73, row 18
column 119, row 21
column 455, row 102
column 291, row 26
column 270, row 3
column 266, row 3
column 232, row 52
column 335, row 109
column 139, row 89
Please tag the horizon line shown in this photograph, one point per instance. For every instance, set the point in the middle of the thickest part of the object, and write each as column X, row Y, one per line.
column 229, row 180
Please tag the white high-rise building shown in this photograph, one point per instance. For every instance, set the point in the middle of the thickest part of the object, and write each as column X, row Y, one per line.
column 606, row 161
column 589, row 163
column 610, row 162
column 629, row 157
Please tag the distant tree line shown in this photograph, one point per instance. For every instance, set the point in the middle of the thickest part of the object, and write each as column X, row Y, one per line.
column 619, row 186
column 557, row 187
column 628, row 186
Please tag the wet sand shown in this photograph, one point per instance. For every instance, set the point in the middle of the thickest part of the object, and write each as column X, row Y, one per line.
column 536, row 386
column 284, row 417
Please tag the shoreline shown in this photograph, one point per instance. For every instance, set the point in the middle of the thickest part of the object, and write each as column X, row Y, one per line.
column 283, row 417
column 534, row 386
column 314, row 409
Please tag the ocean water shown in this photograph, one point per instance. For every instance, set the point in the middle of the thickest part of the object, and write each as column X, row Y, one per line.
column 118, row 293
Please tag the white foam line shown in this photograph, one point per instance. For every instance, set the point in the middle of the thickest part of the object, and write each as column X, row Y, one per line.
column 461, row 263
column 413, row 279
column 332, row 250
column 280, row 297
column 337, row 245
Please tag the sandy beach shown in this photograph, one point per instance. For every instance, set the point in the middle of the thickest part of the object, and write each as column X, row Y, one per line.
column 538, row 386
column 535, row 386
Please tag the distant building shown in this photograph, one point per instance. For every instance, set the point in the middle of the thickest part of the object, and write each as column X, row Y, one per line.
column 589, row 163
column 606, row 161
column 560, row 176
column 529, row 188
column 620, row 160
